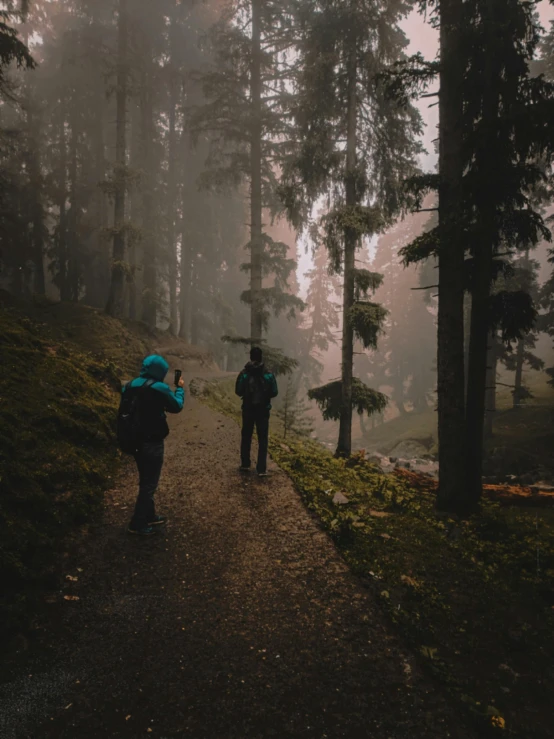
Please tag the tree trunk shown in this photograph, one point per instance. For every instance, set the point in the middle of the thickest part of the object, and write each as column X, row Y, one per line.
column 115, row 299
column 35, row 178
column 185, row 289
column 520, row 357
column 450, row 357
column 256, row 226
column 344, row 447
column 149, row 293
column 63, row 279
column 482, row 281
column 186, row 249
column 520, row 360
column 492, row 362
column 73, row 219
column 193, row 306
column 135, row 257
column 174, row 89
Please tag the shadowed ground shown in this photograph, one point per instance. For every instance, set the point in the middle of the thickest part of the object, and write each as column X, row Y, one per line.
column 240, row 620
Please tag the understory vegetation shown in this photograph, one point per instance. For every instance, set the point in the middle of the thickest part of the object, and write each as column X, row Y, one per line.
column 474, row 598
column 57, row 451
column 62, row 367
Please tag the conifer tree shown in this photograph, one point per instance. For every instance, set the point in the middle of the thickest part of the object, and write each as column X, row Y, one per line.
column 246, row 119
column 114, row 306
column 321, row 320
column 502, row 144
column 355, row 146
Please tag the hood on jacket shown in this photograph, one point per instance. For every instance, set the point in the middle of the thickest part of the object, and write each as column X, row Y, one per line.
column 255, row 368
column 154, row 367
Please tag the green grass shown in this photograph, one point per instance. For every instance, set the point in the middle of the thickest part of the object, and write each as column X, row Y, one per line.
column 474, row 599
column 57, row 452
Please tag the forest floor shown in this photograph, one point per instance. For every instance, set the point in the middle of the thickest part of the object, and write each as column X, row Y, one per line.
column 241, row 619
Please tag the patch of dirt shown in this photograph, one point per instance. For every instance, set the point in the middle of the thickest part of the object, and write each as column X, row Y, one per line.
column 240, row 620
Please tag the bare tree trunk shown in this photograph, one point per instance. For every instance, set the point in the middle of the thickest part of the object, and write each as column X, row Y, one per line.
column 518, row 385
column 492, row 362
column 115, row 299
column 62, row 225
column 344, row 447
column 38, row 211
column 450, row 358
column 73, row 219
column 135, row 257
column 256, row 225
column 482, row 282
column 185, row 276
column 520, row 358
column 149, row 293
column 193, row 306
column 174, row 89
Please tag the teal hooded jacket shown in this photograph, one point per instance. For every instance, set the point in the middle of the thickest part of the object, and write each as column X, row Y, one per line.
column 158, row 399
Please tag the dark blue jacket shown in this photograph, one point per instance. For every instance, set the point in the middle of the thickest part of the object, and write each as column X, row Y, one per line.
column 253, row 368
column 157, row 400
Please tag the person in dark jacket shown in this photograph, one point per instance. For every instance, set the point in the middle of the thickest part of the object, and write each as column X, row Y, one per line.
column 154, row 401
column 257, row 387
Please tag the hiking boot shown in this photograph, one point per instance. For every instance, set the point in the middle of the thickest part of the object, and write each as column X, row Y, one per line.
column 158, row 521
column 263, row 474
column 244, row 469
column 146, row 531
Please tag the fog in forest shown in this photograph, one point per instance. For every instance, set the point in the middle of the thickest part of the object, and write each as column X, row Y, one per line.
column 128, row 187
column 363, row 193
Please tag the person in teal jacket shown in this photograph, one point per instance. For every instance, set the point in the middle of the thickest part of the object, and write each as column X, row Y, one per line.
column 154, row 402
column 257, row 387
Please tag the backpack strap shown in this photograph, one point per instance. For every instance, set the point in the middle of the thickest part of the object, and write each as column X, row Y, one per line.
column 142, row 389
column 147, row 385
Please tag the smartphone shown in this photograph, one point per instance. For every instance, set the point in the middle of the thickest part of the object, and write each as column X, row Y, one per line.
column 178, row 375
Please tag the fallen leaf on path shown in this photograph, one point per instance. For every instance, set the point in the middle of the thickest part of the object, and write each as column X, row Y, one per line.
column 409, row 581
column 385, row 536
column 71, row 578
column 71, row 597
column 430, row 652
column 68, row 706
column 127, row 717
column 379, row 514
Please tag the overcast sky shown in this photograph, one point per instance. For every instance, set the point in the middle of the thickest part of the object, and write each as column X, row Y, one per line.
column 423, row 38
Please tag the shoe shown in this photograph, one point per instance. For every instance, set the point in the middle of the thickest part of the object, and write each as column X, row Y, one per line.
column 158, row 521
column 146, row 531
column 244, row 469
column 263, row 474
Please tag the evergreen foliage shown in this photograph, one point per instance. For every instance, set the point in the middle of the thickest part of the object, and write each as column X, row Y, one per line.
column 504, row 145
column 364, row 399
column 294, row 412
column 246, row 117
column 354, row 145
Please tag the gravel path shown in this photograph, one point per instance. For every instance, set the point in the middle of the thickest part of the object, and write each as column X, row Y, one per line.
column 240, row 620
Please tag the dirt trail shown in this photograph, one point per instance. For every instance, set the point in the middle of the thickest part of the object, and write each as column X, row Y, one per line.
column 241, row 620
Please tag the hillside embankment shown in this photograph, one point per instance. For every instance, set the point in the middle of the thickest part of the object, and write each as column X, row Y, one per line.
column 62, row 368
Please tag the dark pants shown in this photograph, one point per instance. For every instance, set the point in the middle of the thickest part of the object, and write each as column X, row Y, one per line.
column 149, row 461
column 258, row 418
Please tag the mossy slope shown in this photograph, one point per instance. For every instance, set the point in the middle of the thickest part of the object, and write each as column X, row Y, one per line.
column 57, row 410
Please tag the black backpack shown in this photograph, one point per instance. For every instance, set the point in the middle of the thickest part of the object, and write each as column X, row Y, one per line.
column 256, row 390
column 129, row 432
